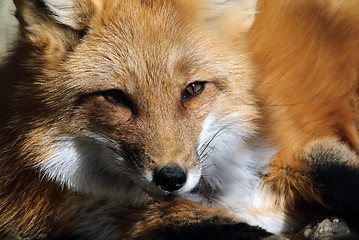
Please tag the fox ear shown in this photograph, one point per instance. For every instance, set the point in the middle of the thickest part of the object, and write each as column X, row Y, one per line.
column 75, row 14
column 54, row 26
column 237, row 15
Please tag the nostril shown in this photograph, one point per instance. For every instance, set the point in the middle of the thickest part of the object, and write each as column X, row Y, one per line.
column 170, row 178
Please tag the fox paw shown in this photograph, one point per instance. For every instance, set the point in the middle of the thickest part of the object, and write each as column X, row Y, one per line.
column 328, row 229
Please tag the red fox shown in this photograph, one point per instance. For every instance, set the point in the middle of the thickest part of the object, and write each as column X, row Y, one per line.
column 160, row 119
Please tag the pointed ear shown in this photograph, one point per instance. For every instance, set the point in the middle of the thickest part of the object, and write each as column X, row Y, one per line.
column 54, row 26
column 75, row 14
column 232, row 15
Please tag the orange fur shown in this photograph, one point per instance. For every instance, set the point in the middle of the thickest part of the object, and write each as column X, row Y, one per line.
column 54, row 84
column 308, row 56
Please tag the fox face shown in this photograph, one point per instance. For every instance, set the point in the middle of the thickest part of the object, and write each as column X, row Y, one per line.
column 139, row 98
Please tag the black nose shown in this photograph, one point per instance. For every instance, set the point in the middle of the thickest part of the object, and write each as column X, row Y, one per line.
column 170, row 178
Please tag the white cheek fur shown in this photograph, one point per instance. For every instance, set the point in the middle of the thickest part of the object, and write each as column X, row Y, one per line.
column 89, row 167
column 231, row 162
column 233, row 158
column 225, row 152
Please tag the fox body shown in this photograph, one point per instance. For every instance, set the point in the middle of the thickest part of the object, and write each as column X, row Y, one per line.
column 308, row 91
column 113, row 110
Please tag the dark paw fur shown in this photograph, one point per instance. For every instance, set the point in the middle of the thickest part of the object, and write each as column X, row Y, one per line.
column 204, row 231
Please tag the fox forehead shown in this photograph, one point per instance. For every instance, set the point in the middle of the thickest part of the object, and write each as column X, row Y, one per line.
column 133, row 48
column 150, row 50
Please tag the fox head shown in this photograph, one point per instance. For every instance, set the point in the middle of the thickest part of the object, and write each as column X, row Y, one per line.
column 122, row 98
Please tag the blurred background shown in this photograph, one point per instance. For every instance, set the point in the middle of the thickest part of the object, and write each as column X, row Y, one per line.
column 8, row 26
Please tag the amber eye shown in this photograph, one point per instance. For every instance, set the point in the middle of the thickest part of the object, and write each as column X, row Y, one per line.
column 192, row 90
column 117, row 97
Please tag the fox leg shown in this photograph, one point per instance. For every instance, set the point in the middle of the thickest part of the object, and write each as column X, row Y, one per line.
column 185, row 220
column 163, row 220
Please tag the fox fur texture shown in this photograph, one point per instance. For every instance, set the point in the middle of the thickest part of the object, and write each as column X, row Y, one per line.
column 186, row 119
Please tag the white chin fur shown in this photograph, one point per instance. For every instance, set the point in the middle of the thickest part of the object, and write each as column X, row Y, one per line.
column 193, row 176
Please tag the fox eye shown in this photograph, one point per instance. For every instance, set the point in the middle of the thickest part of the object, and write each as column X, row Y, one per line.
column 192, row 90
column 117, row 97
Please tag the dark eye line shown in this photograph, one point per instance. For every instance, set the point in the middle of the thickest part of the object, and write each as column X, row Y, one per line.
column 117, row 97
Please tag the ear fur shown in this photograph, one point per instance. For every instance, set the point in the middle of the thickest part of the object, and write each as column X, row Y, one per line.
column 75, row 14
column 54, row 26
column 232, row 15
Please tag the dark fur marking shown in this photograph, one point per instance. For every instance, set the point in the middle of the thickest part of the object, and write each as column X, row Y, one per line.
column 339, row 185
column 208, row 231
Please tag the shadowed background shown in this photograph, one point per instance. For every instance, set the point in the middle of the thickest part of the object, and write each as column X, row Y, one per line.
column 8, row 24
